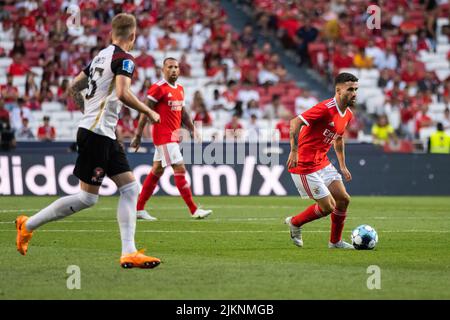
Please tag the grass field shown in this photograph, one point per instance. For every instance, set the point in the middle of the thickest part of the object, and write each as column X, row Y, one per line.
column 242, row 251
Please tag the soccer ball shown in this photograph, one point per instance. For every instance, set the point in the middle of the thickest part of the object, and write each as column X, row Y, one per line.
column 364, row 237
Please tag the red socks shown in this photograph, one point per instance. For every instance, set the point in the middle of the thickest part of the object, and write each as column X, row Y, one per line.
column 337, row 225
column 147, row 190
column 311, row 213
column 185, row 191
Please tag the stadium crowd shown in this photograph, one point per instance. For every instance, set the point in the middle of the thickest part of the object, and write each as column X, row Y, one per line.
column 250, row 87
column 331, row 36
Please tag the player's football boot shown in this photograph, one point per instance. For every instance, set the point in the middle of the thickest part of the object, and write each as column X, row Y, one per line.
column 296, row 232
column 144, row 215
column 138, row 260
column 23, row 235
column 201, row 214
column 340, row 245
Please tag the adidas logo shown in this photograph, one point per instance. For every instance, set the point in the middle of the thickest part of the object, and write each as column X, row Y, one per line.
column 170, row 95
column 331, row 124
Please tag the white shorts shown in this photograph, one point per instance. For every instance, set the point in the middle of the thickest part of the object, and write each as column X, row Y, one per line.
column 168, row 154
column 315, row 185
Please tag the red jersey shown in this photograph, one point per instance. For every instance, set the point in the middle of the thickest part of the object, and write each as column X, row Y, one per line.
column 284, row 128
column 169, row 104
column 324, row 124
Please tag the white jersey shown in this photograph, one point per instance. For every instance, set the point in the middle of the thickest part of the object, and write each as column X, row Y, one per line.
column 101, row 106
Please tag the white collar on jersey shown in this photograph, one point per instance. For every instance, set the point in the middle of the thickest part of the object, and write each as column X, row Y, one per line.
column 172, row 86
column 339, row 110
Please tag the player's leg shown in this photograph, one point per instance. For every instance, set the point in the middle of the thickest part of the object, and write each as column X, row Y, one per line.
column 339, row 213
column 324, row 203
column 150, row 183
column 126, row 216
column 172, row 156
column 88, row 169
column 179, row 171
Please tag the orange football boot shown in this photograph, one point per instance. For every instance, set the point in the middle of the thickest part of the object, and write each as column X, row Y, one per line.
column 139, row 260
column 23, row 236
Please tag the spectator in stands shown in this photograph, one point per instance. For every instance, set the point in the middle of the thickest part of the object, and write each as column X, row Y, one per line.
column 31, row 88
column 202, row 116
column 253, row 129
column 304, row 102
column 362, row 61
column 422, row 119
column 445, row 92
column 9, row 92
column 166, row 43
column 19, row 112
column 7, row 140
column 252, row 109
column 45, row 94
column 355, row 126
column 382, row 131
column 267, row 76
column 446, row 119
column 375, row 53
column 383, row 79
column 410, row 74
column 303, row 37
column 185, row 67
column 25, row 132
column 283, row 126
column 4, row 114
column 6, row 28
column 231, row 93
column 142, row 94
column 46, row 132
column 247, row 93
column 390, row 61
column 439, row 141
column 197, row 101
column 18, row 67
column 126, row 126
column 144, row 60
column 147, row 40
column 429, row 83
column 247, row 38
column 274, row 109
column 220, row 106
column 19, row 48
column 63, row 92
column 233, row 129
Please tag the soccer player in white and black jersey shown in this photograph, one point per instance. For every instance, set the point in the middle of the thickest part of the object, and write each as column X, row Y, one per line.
column 107, row 80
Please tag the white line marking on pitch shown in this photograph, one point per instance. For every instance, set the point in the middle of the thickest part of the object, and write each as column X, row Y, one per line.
column 226, row 231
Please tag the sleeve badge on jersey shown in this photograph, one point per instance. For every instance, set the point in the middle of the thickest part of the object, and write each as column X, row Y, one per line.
column 128, row 65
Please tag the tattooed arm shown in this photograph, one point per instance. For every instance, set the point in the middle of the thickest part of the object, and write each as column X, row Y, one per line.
column 339, row 148
column 296, row 125
column 78, row 84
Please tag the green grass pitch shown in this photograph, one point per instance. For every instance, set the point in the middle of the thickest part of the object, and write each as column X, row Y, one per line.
column 242, row 251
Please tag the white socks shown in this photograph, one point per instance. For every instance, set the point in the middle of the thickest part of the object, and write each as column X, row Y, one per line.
column 62, row 208
column 126, row 215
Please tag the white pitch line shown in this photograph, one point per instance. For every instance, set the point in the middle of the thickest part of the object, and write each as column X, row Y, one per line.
column 229, row 220
column 226, row 231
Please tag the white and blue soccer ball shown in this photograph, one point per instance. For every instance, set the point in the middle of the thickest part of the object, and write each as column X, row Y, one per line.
column 364, row 237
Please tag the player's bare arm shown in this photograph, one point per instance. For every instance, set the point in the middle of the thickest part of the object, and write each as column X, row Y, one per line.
column 143, row 119
column 125, row 95
column 296, row 125
column 339, row 148
column 78, row 84
column 187, row 122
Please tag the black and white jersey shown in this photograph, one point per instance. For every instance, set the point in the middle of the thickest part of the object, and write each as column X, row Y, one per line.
column 101, row 106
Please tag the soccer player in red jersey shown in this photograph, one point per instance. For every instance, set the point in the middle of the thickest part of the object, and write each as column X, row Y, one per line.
column 312, row 134
column 166, row 97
